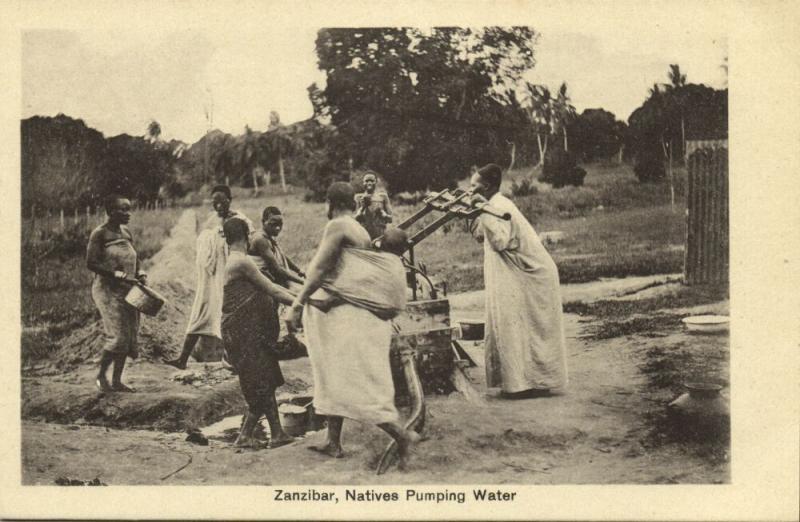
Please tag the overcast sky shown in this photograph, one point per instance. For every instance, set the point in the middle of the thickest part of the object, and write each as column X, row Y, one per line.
column 117, row 82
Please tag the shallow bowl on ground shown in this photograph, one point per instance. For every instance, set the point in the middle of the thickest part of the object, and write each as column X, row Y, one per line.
column 707, row 323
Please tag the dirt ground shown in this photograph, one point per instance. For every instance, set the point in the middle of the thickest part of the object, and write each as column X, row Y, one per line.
column 608, row 426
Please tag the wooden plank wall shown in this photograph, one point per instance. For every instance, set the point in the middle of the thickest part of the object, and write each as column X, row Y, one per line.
column 707, row 260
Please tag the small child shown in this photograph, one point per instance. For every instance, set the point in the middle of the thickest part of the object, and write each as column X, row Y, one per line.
column 394, row 241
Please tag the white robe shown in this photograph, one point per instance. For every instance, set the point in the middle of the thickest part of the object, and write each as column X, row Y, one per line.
column 524, row 331
column 349, row 352
column 210, row 257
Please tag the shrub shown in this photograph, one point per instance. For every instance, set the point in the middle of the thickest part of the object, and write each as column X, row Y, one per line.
column 649, row 167
column 561, row 169
column 409, row 198
column 523, row 188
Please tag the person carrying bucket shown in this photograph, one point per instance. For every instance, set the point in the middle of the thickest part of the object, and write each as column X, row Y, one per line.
column 112, row 257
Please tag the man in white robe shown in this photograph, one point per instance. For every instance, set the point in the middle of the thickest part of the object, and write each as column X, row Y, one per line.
column 524, row 339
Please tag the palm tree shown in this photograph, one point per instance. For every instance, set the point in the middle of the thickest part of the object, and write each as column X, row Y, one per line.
column 249, row 156
column 279, row 143
column 660, row 100
column 154, row 130
column 677, row 81
column 224, row 163
column 539, row 105
column 564, row 112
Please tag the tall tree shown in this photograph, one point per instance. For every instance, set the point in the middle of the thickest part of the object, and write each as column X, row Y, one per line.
column 421, row 106
column 249, row 155
column 596, row 134
column 667, row 117
column 539, row 107
column 279, row 144
column 563, row 112
column 677, row 81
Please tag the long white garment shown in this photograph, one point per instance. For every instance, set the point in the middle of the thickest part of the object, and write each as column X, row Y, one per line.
column 524, row 328
column 210, row 257
column 349, row 351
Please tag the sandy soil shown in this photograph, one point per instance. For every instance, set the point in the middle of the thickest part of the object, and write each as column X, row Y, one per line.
column 604, row 428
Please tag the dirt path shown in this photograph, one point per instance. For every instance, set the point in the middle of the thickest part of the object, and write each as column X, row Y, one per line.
column 600, row 430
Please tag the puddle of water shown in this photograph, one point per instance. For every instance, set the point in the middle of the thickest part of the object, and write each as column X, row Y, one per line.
column 224, row 428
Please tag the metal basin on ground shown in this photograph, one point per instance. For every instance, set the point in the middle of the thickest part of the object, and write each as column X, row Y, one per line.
column 707, row 324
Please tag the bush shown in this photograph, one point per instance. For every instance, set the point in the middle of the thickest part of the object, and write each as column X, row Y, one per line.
column 523, row 188
column 561, row 169
column 409, row 198
column 649, row 167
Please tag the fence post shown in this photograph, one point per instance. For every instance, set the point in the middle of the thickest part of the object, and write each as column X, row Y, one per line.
column 33, row 220
column 61, row 220
column 48, row 225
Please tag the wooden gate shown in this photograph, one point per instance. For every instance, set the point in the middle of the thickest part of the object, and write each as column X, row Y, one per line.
column 706, row 260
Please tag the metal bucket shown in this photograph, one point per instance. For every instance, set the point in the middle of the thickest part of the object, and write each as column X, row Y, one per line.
column 145, row 299
column 294, row 418
column 471, row 330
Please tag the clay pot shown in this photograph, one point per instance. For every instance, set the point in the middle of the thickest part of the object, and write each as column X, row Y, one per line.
column 701, row 400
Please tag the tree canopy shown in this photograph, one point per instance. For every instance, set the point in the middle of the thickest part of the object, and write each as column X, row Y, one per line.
column 67, row 165
column 672, row 114
column 596, row 134
column 422, row 106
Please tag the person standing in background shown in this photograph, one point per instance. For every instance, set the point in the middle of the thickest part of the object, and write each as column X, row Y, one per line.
column 374, row 210
column 211, row 255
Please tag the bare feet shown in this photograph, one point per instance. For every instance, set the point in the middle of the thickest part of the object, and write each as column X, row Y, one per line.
column 277, row 442
column 102, row 384
column 404, row 447
column 177, row 363
column 533, row 393
column 248, row 442
column 330, row 450
column 119, row 387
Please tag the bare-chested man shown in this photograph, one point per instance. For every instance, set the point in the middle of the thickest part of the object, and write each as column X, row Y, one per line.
column 269, row 256
column 374, row 208
column 348, row 345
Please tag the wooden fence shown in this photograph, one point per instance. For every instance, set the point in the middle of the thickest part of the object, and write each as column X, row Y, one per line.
column 43, row 225
column 706, row 259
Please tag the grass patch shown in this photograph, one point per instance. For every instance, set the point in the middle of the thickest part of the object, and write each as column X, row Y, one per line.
column 649, row 326
column 685, row 297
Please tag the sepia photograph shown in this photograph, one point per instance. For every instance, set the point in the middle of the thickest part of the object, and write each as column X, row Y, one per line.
column 407, row 264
